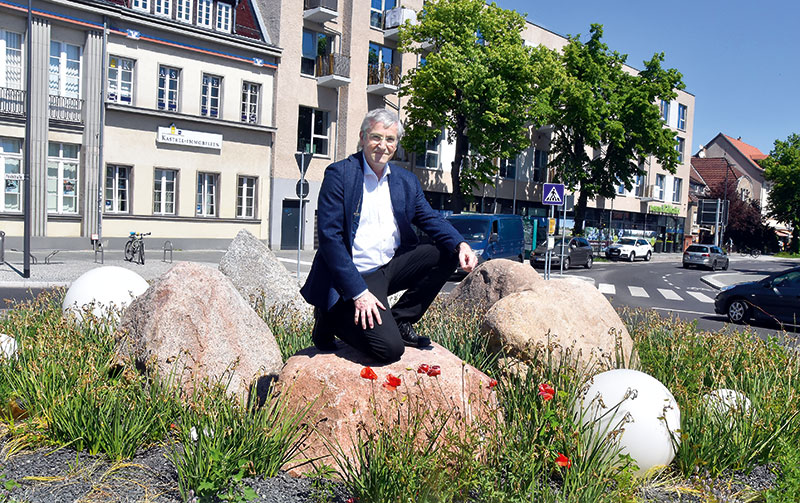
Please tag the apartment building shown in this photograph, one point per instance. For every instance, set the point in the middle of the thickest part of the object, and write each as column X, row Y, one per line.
column 146, row 115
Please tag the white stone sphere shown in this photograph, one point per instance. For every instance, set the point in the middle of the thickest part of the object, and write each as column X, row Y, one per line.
column 722, row 401
column 8, row 346
column 642, row 407
column 106, row 288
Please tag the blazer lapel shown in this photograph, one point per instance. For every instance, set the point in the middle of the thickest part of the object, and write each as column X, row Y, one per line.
column 398, row 196
column 353, row 192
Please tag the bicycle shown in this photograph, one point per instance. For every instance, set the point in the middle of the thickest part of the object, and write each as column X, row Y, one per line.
column 134, row 248
column 753, row 252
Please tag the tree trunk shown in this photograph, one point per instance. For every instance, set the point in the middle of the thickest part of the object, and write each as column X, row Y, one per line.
column 462, row 148
column 580, row 213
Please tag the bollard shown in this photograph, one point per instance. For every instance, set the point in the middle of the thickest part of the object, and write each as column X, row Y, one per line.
column 98, row 248
column 2, row 247
column 167, row 248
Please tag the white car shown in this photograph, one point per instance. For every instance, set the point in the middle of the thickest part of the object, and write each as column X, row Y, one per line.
column 630, row 249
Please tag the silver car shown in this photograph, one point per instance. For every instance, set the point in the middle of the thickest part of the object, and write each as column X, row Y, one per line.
column 708, row 256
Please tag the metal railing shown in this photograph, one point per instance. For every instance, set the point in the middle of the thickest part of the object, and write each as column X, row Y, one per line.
column 12, row 101
column 383, row 74
column 63, row 108
column 327, row 4
column 333, row 64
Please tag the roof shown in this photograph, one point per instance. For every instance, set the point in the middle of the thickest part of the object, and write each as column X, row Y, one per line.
column 695, row 176
column 712, row 170
column 750, row 151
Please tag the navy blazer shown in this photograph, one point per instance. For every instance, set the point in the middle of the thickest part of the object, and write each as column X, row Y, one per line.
column 333, row 274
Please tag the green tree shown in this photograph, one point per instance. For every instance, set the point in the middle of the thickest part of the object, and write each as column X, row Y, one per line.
column 606, row 120
column 476, row 80
column 782, row 169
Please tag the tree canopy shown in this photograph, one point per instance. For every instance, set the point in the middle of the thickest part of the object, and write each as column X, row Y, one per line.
column 476, row 80
column 606, row 120
column 782, row 169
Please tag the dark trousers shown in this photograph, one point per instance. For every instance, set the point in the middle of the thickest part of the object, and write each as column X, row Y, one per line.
column 422, row 272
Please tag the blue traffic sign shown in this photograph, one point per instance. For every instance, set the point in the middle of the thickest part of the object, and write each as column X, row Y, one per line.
column 553, row 193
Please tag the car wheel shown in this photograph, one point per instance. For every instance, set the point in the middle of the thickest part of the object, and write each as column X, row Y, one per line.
column 589, row 262
column 648, row 256
column 685, row 266
column 632, row 256
column 566, row 263
column 737, row 311
column 725, row 267
column 521, row 259
column 714, row 266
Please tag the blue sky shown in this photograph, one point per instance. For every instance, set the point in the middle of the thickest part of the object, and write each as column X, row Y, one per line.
column 741, row 60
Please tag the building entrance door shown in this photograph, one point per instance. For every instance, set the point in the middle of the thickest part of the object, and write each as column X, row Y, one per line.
column 289, row 224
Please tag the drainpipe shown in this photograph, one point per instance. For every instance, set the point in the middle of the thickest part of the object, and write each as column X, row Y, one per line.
column 100, row 157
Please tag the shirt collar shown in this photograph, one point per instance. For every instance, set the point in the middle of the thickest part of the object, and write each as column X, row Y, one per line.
column 368, row 171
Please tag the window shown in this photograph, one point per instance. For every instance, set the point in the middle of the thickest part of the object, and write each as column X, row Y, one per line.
column 206, row 194
column 163, row 8
column 62, row 178
column 250, row 93
column 168, row 87
column 540, row 165
column 204, row 9
column 164, row 192
column 246, row 197
column 10, row 60
column 11, row 175
column 312, row 128
column 660, row 182
column 224, row 17
column 65, row 70
column 210, row 94
column 682, row 117
column 665, row 110
column 120, row 80
column 508, row 168
column 141, row 5
column 117, row 178
column 376, row 11
column 639, row 185
column 620, row 188
column 676, row 190
column 380, row 69
column 314, row 44
column 680, row 143
column 183, row 12
column 430, row 158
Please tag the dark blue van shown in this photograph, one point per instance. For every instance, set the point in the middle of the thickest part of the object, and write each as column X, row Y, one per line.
column 492, row 236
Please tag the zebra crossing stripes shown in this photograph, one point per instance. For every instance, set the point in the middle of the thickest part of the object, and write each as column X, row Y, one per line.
column 637, row 291
column 669, row 294
column 607, row 288
column 701, row 297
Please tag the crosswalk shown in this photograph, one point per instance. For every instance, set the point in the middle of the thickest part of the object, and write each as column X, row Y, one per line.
column 668, row 294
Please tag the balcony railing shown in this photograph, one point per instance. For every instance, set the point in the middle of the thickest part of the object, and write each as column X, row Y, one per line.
column 333, row 64
column 12, row 101
column 63, row 108
column 325, row 4
column 383, row 74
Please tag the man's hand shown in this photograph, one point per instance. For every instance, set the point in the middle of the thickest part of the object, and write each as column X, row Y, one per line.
column 366, row 308
column 466, row 257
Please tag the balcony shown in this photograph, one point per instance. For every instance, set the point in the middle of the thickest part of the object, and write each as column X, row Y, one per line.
column 333, row 70
column 383, row 79
column 65, row 109
column 12, row 102
column 320, row 11
column 393, row 19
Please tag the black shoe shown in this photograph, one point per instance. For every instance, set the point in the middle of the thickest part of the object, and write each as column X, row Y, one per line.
column 322, row 333
column 411, row 337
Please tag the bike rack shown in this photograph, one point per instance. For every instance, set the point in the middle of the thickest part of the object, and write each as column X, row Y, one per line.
column 50, row 255
column 98, row 248
column 167, row 248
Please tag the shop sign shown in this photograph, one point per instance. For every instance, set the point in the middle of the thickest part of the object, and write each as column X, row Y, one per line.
column 665, row 209
column 175, row 136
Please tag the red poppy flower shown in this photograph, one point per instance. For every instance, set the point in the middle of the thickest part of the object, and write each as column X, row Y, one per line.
column 423, row 368
column 351, row 500
column 546, row 391
column 563, row 461
column 368, row 373
column 492, row 383
column 434, row 371
column 392, row 382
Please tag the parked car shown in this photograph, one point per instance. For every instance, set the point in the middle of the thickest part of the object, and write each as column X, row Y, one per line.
column 576, row 251
column 492, row 236
column 776, row 297
column 630, row 249
column 712, row 257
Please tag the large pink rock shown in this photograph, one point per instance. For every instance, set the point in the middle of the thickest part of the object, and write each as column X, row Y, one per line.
column 491, row 281
column 346, row 401
column 192, row 319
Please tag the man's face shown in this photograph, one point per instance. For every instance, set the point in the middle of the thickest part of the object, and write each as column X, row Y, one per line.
column 379, row 144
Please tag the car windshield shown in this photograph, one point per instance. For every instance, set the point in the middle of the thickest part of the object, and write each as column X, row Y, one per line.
column 697, row 249
column 471, row 229
column 627, row 241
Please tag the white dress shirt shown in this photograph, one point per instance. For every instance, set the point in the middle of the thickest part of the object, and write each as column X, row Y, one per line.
column 377, row 236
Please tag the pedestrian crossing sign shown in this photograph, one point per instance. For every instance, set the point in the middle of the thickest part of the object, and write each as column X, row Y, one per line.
column 553, row 193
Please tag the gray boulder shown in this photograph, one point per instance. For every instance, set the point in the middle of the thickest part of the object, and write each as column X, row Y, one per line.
column 193, row 324
column 491, row 281
column 260, row 277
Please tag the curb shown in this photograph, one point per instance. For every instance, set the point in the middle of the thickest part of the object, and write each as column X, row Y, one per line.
column 711, row 280
column 35, row 284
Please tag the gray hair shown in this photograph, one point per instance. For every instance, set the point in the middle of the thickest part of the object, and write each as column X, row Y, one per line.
column 385, row 117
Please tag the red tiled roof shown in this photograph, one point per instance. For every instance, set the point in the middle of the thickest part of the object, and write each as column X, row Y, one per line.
column 695, row 176
column 748, row 150
column 713, row 169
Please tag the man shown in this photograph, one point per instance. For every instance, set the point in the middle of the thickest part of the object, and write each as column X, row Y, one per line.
column 369, row 250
